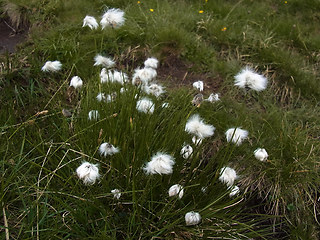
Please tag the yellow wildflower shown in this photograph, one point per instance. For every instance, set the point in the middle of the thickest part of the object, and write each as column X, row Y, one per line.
column 201, row 11
column 223, row 29
column 138, row 2
column 151, row 9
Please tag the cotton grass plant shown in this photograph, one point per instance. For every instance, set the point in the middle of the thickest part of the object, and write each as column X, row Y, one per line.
column 86, row 186
column 149, row 163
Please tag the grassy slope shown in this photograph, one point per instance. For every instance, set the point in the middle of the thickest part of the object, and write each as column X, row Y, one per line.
column 278, row 39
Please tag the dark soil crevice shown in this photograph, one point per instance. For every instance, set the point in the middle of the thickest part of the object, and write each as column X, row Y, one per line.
column 177, row 72
column 10, row 37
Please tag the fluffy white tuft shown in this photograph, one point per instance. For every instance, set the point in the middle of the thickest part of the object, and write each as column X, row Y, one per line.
column 197, row 141
column 154, row 89
column 116, row 193
column 76, row 82
column 234, row 191
column 186, row 151
column 107, row 149
column 113, row 76
column 228, row 175
column 248, row 78
column 120, row 77
column 103, row 61
column 165, row 105
column 160, row 163
column 106, row 98
column 204, row 189
column 236, row 135
column 214, row 97
column 192, row 218
column 175, row 190
column 151, row 63
column 93, row 115
column 145, row 105
column 143, row 76
column 91, row 22
column 50, row 66
column 111, row 97
column 198, row 85
column 106, row 76
column 261, row 154
column 88, row 173
column 101, row 97
column 114, row 18
column 197, row 127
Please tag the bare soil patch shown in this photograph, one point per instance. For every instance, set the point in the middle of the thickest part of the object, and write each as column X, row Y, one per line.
column 10, row 37
column 174, row 71
column 177, row 73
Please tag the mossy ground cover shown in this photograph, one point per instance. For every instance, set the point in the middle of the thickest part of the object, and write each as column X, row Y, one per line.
column 43, row 198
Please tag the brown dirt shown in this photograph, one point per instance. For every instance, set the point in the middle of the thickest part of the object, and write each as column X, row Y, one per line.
column 173, row 70
column 177, row 73
column 9, row 37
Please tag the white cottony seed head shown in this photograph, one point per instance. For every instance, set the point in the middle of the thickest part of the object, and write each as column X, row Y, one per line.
column 114, row 18
column 145, row 105
column 154, row 89
column 107, row 149
column 213, row 98
column 197, row 127
column 249, row 78
column 101, row 97
column 50, row 66
column 91, row 22
column 143, row 76
column 160, row 163
column 261, row 154
column 165, row 105
column 234, row 191
column 175, row 190
column 116, row 193
column 197, row 141
column 76, row 82
column 151, row 63
column 103, row 61
column 236, row 135
column 198, row 85
column 93, row 115
column 192, row 218
column 228, row 176
column 88, row 173
column 186, row 151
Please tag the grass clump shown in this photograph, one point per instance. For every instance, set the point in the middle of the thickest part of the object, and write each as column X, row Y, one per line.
column 71, row 209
